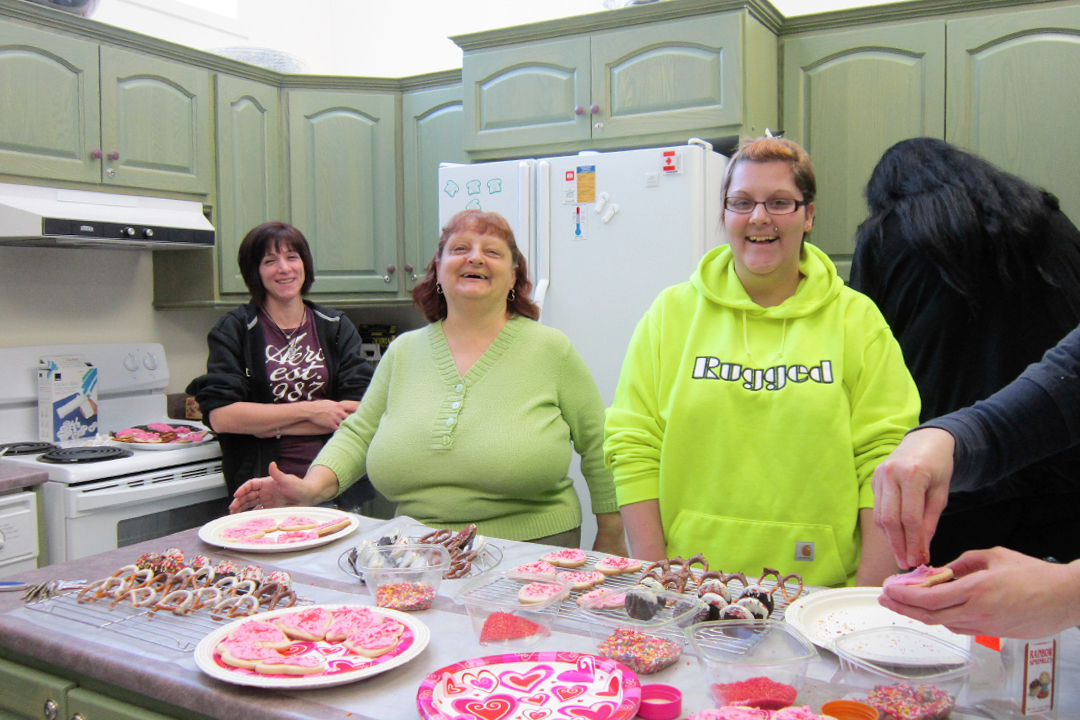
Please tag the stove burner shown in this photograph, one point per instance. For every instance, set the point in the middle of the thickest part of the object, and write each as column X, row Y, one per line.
column 74, row 455
column 25, row 448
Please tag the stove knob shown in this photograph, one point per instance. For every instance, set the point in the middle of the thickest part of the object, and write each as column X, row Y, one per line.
column 129, row 231
column 148, row 233
column 131, row 363
column 150, row 362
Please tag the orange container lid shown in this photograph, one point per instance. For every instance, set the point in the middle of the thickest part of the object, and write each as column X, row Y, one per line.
column 850, row 710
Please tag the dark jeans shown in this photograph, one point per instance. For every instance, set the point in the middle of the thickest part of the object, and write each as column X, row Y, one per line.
column 1041, row 526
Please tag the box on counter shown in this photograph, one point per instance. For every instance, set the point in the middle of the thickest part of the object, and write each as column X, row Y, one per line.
column 67, row 400
column 375, row 339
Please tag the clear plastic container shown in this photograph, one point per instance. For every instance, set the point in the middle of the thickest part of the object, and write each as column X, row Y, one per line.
column 757, row 663
column 500, row 617
column 644, row 630
column 901, row 668
column 403, row 577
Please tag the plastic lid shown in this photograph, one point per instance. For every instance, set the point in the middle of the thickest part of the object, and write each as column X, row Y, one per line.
column 660, row 702
column 903, row 654
column 499, row 589
column 750, row 642
column 644, row 609
column 403, row 558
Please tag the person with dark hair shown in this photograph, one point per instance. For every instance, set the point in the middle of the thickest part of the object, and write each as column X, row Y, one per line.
column 977, row 273
column 282, row 373
column 756, row 400
column 470, row 420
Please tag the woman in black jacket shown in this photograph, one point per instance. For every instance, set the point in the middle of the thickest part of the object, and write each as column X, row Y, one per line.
column 978, row 274
column 282, row 372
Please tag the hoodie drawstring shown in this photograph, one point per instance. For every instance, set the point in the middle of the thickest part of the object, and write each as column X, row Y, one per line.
column 746, row 341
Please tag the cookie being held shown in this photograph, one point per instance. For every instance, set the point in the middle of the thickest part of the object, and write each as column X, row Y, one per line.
column 922, row 576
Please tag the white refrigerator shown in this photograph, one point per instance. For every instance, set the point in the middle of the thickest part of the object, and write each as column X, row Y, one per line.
column 604, row 234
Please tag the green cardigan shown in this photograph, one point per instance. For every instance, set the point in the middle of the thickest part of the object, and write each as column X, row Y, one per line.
column 490, row 448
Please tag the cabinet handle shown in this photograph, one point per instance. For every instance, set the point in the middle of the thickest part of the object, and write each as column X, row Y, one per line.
column 594, row 109
column 110, row 172
column 408, row 267
column 389, row 271
column 599, row 127
column 77, row 716
column 114, row 155
column 51, row 710
column 578, row 110
column 96, row 153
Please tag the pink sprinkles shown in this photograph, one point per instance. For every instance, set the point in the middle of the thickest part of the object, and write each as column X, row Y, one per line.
column 644, row 654
column 405, row 596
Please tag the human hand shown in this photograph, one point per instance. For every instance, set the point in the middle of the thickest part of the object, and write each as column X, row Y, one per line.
column 911, row 489
column 279, row 489
column 349, row 405
column 329, row 413
column 610, row 535
column 998, row 592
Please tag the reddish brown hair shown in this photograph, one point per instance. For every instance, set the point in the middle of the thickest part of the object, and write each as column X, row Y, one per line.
column 774, row 149
column 433, row 304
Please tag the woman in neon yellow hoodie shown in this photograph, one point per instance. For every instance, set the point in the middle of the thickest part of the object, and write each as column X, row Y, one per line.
column 756, row 400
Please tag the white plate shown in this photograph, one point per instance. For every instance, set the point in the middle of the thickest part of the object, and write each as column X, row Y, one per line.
column 209, row 437
column 345, row 667
column 826, row 615
column 209, row 532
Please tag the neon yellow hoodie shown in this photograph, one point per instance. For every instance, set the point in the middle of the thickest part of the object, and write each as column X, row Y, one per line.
column 758, row 429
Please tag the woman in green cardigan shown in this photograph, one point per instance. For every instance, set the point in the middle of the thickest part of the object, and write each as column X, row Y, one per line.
column 471, row 419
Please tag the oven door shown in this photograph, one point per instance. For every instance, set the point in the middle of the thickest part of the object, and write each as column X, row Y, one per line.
column 90, row 518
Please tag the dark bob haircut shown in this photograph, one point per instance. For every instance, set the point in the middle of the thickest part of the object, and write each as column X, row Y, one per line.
column 969, row 218
column 433, row 304
column 272, row 237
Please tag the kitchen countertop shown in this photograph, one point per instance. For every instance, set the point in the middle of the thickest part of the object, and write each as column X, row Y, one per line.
column 171, row 677
column 16, row 478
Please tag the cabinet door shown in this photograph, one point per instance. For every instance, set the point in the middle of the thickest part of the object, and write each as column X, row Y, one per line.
column 249, row 160
column 1014, row 95
column 849, row 96
column 49, row 117
column 667, row 77
column 344, row 187
column 527, row 94
column 433, row 134
column 93, row 706
column 31, row 694
column 155, row 122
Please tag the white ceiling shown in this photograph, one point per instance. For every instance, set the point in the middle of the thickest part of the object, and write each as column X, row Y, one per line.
column 395, row 38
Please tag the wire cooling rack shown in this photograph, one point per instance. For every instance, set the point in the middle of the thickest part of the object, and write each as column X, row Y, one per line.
column 161, row 628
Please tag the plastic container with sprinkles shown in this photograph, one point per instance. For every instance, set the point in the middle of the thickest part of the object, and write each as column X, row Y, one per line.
column 642, row 628
column 403, row 577
column 502, row 618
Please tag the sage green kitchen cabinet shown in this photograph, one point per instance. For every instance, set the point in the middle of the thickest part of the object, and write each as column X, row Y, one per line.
column 1014, row 94
column 89, row 705
column 49, row 117
column 433, row 130
column 848, row 96
column 155, row 123
column 27, row 694
column 249, row 148
column 695, row 76
column 343, row 178
column 143, row 122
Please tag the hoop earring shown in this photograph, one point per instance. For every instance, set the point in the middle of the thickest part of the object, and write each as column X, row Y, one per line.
column 512, row 296
column 438, row 288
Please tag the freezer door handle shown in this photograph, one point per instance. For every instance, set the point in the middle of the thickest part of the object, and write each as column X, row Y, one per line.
column 125, row 495
column 543, row 233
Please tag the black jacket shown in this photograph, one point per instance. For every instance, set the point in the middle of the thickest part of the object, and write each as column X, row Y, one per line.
column 236, row 372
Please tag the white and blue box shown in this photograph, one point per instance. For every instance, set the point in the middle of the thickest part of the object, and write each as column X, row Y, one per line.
column 67, row 400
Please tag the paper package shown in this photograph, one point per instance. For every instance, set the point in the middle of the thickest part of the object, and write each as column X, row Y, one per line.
column 67, row 400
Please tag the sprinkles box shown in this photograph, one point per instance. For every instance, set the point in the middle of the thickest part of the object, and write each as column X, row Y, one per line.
column 67, row 400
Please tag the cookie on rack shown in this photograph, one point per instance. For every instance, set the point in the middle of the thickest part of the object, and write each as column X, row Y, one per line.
column 568, row 558
column 612, row 565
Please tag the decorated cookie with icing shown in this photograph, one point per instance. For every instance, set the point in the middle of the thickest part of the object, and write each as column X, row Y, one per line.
column 581, row 579
column 539, row 592
column 245, row 655
column 291, row 665
column 260, row 633
column 540, row 567
column 332, row 526
column 612, row 599
column 297, row 522
column 617, row 565
column 923, row 576
column 297, row 536
column 350, row 620
column 569, row 558
column 309, row 624
column 373, row 642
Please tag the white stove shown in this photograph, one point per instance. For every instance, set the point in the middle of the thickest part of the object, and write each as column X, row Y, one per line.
column 96, row 506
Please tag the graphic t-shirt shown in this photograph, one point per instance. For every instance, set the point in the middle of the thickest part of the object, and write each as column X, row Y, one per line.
column 296, row 367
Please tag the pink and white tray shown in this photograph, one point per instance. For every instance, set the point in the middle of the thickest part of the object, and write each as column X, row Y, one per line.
column 531, row 686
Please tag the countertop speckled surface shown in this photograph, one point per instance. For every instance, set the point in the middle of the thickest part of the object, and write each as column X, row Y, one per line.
column 17, row 478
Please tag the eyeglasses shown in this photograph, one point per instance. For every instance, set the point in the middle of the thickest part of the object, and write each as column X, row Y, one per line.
column 773, row 206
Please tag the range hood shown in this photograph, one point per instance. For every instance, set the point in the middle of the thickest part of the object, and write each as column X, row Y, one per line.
column 35, row 215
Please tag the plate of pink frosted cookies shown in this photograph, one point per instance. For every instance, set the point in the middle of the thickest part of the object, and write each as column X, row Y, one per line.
column 278, row 530
column 312, row 646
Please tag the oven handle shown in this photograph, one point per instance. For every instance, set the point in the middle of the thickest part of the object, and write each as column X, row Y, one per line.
column 121, row 496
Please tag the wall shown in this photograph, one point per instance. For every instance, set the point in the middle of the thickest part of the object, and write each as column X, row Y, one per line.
column 50, row 296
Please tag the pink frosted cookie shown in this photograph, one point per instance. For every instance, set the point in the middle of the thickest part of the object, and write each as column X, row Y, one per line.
column 309, row 624
column 241, row 534
column 350, row 620
column 569, row 558
column 612, row 565
column 612, row 599
column 539, row 592
column 260, row 633
column 332, row 526
column 923, row 576
column 291, row 665
column 297, row 536
column 540, row 567
column 581, row 579
column 373, row 642
column 297, row 522
column 245, row 655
